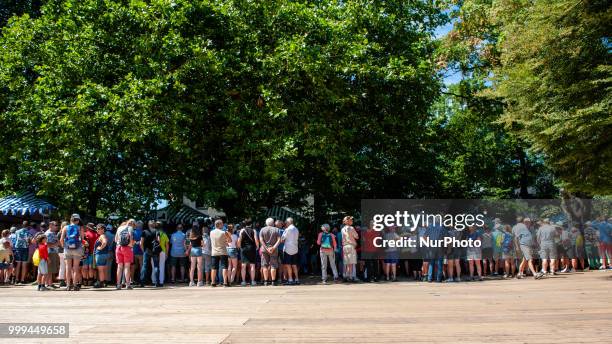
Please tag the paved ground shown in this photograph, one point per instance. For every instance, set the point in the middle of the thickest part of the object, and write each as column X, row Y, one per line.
column 572, row 308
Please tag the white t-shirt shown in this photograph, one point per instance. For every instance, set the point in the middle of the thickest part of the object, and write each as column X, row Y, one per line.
column 290, row 236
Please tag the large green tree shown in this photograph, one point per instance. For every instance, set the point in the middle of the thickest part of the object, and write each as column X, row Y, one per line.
column 240, row 104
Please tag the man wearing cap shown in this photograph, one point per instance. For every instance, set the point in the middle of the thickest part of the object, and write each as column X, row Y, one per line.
column 71, row 239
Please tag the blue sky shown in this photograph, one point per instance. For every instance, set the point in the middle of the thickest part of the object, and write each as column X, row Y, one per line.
column 450, row 77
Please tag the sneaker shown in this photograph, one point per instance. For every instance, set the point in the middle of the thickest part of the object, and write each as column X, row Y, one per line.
column 192, row 284
column 77, row 287
column 324, row 282
column 96, row 285
column 62, row 283
column 253, row 284
column 480, row 278
column 571, row 270
column 450, row 280
column 564, row 270
column 226, row 285
column 200, row 284
column 602, row 267
column 505, row 276
column 43, row 288
column 118, row 287
column 296, row 282
column 538, row 275
column 274, row 283
column 213, row 285
column 243, row 284
column 129, row 287
column 458, row 279
column 265, row 283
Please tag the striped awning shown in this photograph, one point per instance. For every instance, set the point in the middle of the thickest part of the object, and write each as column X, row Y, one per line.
column 184, row 214
column 24, row 204
column 281, row 213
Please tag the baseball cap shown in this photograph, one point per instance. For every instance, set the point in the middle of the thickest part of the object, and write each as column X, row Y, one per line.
column 75, row 216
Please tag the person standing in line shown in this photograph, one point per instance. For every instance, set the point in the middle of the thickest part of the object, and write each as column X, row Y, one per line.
column 137, row 266
column 391, row 255
column 100, row 250
column 20, row 251
column 591, row 245
column 327, row 244
column 178, row 254
column 487, row 250
column 453, row 257
column 219, row 240
column 524, row 238
column 349, row 242
column 232, row 253
column 43, row 254
column 435, row 256
column 124, row 253
column 269, row 239
column 474, row 254
column 88, row 270
column 72, row 240
column 497, row 238
column 195, row 255
column 248, row 243
column 545, row 236
column 164, row 243
column 61, row 276
column 206, row 254
column 369, row 252
column 54, row 258
column 290, row 239
column 110, row 243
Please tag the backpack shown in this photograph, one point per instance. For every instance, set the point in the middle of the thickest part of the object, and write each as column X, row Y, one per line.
column 326, row 240
column 156, row 248
column 124, row 237
column 21, row 240
column 507, row 243
column 72, row 234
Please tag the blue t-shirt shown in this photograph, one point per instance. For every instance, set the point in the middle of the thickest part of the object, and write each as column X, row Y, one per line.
column 177, row 244
column 605, row 230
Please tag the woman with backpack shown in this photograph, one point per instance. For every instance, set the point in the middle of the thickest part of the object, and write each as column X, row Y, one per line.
column 248, row 243
column 124, row 253
column 195, row 255
column 327, row 242
column 72, row 240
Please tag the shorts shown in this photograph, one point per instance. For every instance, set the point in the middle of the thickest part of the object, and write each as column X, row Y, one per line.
column 497, row 254
column 349, row 254
column 248, row 255
column 4, row 266
column 232, row 252
column 124, row 255
column 219, row 262
column 88, row 260
column 101, row 259
column 207, row 262
column 291, row 259
column 269, row 260
column 570, row 252
column 181, row 261
column 54, row 263
column 392, row 257
column 527, row 252
column 474, row 253
column 195, row 252
column 578, row 252
column 137, row 250
column 21, row 254
column 487, row 253
column 548, row 252
column 73, row 253
column 43, row 268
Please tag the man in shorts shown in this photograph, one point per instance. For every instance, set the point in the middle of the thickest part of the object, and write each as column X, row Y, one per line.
column 269, row 238
column 290, row 239
column 548, row 250
column 219, row 240
column 21, row 252
column 524, row 238
column 53, row 248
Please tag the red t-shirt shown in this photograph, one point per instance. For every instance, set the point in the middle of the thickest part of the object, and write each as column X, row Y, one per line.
column 91, row 238
column 43, row 253
column 368, row 241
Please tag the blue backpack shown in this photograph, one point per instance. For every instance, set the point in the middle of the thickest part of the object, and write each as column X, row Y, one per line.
column 507, row 243
column 72, row 233
column 326, row 240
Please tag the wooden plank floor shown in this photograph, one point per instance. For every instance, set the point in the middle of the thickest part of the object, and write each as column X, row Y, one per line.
column 571, row 308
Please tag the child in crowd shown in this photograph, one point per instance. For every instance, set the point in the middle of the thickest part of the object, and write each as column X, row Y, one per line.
column 6, row 258
column 43, row 268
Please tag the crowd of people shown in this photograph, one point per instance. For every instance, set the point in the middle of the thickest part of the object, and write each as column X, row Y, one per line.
column 73, row 254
